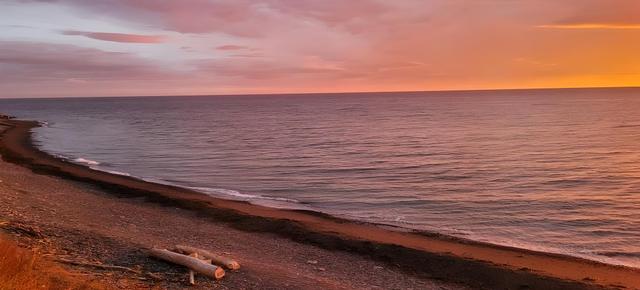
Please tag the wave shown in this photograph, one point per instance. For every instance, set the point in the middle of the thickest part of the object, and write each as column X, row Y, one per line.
column 618, row 254
column 216, row 192
column 113, row 172
column 86, row 161
column 237, row 194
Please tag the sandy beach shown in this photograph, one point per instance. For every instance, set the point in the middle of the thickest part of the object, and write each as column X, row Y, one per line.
column 68, row 211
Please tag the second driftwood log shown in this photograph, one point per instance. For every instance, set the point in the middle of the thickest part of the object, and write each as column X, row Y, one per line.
column 215, row 259
column 192, row 263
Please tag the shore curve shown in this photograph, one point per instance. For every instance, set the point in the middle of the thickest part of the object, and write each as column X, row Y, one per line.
column 472, row 263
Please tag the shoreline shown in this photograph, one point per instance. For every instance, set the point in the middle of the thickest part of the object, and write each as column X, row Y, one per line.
column 443, row 257
column 290, row 206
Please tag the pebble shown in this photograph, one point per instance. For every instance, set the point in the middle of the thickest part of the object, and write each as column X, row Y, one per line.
column 313, row 262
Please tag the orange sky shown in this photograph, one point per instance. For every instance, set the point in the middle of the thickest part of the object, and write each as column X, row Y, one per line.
column 163, row 47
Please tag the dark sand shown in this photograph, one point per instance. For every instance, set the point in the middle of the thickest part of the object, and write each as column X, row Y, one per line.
column 111, row 218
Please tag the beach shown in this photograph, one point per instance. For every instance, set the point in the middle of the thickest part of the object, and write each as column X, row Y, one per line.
column 75, row 212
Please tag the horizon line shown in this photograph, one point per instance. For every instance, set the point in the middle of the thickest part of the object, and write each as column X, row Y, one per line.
column 334, row 93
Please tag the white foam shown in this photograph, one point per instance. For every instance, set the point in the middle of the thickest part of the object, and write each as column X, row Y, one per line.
column 113, row 172
column 239, row 195
column 86, row 161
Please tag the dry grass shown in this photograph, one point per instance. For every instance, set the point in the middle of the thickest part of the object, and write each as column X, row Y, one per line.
column 20, row 269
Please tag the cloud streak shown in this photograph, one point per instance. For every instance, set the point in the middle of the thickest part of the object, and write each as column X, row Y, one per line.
column 231, row 47
column 592, row 26
column 118, row 37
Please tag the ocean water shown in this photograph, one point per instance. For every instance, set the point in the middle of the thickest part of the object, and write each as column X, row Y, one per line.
column 549, row 170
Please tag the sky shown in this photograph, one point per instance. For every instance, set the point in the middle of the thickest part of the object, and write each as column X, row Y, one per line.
column 56, row 48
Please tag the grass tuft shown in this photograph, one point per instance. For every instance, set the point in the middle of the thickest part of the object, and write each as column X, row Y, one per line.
column 20, row 269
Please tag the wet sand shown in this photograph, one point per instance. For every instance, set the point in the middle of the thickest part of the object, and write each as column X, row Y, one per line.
column 282, row 248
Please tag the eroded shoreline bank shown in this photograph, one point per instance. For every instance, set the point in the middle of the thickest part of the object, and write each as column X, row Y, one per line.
column 451, row 259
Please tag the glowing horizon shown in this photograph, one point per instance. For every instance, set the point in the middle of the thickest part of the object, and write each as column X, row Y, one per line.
column 200, row 47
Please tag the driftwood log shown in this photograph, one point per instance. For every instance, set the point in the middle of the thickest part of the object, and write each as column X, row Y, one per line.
column 192, row 276
column 192, row 263
column 215, row 259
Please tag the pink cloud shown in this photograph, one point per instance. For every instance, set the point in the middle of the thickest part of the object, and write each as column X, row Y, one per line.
column 257, row 69
column 194, row 16
column 244, row 18
column 34, row 69
column 334, row 12
column 26, row 61
column 231, row 47
column 249, row 55
column 118, row 37
column 598, row 15
column 619, row 12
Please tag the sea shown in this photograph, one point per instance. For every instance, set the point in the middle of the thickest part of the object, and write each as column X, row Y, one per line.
column 548, row 170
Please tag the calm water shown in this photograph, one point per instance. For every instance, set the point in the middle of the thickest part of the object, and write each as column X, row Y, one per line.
column 556, row 171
